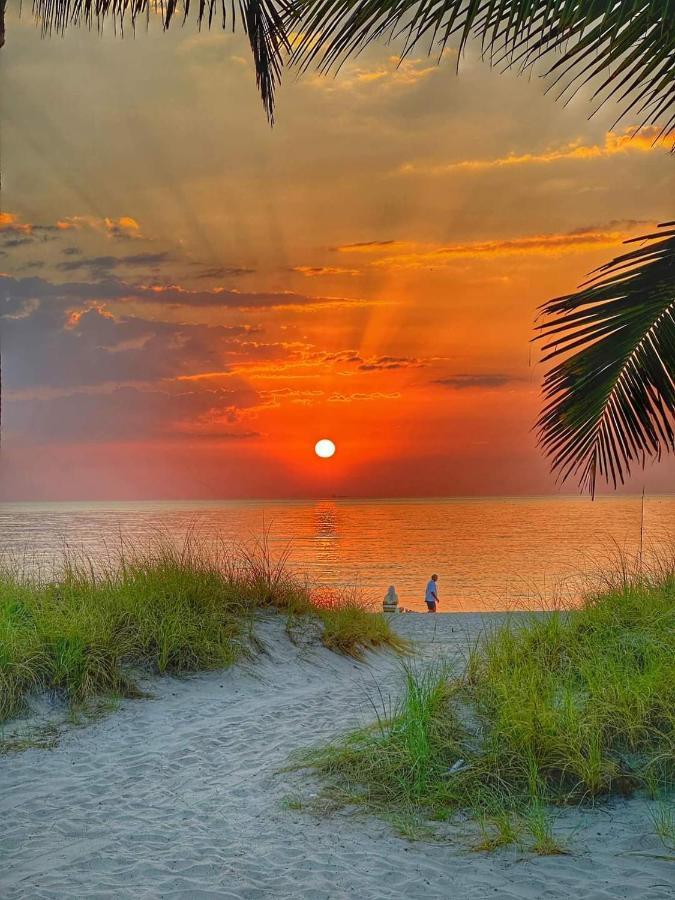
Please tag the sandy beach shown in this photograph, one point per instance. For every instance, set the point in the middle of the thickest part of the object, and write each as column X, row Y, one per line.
column 181, row 796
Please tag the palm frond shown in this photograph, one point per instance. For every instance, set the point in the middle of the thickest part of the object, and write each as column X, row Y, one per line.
column 628, row 46
column 262, row 20
column 611, row 400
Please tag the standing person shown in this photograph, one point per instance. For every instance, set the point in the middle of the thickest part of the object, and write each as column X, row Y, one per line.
column 431, row 594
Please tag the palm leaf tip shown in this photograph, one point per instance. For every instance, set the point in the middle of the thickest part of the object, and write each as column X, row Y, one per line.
column 262, row 20
column 610, row 397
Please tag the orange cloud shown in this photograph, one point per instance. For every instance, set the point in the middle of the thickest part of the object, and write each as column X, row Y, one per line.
column 303, row 398
column 627, row 141
column 74, row 316
column 414, row 255
column 393, row 72
column 125, row 226
column 11, row 221
column 204, row 376
column 351, row 398
column 124, row 222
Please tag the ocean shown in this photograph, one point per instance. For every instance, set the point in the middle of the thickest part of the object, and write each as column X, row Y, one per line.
column 489, row 553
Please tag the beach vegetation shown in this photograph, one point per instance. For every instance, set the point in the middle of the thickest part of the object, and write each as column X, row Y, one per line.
column 566, row 707
column 663, row 820
column 350, row 626
column 88, row 630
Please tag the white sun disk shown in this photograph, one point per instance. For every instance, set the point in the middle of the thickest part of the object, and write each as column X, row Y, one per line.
column 324, row 448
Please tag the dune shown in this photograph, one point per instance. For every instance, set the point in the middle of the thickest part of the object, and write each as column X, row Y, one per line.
column 181, row 796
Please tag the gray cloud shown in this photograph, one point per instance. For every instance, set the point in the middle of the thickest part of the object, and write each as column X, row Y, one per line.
column 386, row 363
column 479, row 380
column 225, row 272
column 14, row 235
column 16, row 291
column 129, row 414
column 361, row 245
column 45, row 348
column 103, row 266
column 373, row 363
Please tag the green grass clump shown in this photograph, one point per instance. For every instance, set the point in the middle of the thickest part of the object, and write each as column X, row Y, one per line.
column 558, row 708
column 581, row 704
column 349, row 626
column 663, row 821
column 23, row 662
column 399, row 763
column 81, row 634
column 167, row 609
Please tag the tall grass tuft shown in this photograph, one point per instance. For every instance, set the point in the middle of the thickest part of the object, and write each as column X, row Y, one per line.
column 555, row 708
column 349, row 626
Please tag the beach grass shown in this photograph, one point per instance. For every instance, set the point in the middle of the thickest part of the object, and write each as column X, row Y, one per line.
column 350, row 626
column 663, row 821
column 170, row 609
column 566, row 707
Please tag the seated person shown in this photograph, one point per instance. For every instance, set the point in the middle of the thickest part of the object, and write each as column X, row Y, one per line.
column 390, row 602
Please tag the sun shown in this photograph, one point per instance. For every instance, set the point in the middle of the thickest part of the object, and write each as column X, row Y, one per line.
column 324, row 448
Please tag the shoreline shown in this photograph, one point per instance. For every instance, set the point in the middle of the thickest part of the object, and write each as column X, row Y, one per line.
column 184, row 795
column 491, row 555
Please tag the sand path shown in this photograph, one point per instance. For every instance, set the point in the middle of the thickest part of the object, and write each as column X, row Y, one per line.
column 180, row 797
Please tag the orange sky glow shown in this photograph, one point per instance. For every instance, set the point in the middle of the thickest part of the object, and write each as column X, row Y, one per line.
column 189, row 299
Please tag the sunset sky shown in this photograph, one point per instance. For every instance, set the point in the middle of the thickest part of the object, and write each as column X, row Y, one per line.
column 191, row 299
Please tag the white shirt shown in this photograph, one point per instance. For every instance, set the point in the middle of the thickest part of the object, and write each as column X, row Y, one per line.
column 431, row 592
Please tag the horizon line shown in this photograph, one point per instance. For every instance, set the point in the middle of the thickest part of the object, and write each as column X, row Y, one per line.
column 343, row 498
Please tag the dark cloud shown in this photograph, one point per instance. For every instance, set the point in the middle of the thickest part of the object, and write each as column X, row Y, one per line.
column 319, row 271
column 462, row 382
column 373, row 363
column 614, row 224
column 103, row 266
column 54, row 342
column 18, row 235
column 225, row 272
column 10, row 241
column 386, row 363
column 342, row 356
column 121, row 233
column 15, row 291
column 361, row 245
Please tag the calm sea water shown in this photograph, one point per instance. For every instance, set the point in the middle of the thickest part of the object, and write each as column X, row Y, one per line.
column 489, row 553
